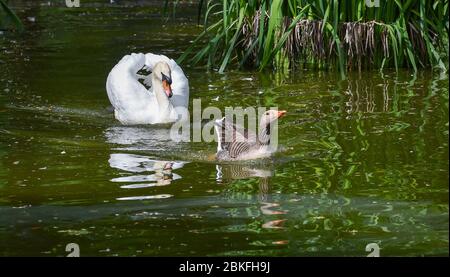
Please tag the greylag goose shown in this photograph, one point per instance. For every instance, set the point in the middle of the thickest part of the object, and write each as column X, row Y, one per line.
column 237, row 143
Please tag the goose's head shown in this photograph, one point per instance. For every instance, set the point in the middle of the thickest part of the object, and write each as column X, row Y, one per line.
column 271, row 116
column 162, row 73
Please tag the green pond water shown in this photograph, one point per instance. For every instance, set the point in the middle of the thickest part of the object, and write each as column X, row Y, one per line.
column 364, row 160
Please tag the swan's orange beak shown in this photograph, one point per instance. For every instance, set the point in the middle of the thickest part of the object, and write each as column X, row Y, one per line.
column 281, row 113
column 167, row 88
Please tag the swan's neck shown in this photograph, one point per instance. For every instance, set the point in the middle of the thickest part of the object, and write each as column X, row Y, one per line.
column 165, row 107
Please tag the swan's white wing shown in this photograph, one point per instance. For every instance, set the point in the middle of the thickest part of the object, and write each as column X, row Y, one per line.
column 180, row 84
column 131, row 100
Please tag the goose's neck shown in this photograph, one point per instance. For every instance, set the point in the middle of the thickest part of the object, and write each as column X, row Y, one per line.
column 164, row 104
column 264, row 134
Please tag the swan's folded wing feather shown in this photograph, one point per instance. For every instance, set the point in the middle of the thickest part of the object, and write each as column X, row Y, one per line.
column 146, row 79
column 125, row 92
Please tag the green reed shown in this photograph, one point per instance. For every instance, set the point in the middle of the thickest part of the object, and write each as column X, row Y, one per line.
column 8, row 18
column 324, row 34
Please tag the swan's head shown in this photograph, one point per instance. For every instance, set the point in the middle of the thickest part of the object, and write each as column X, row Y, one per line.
column 162, row 72
column 271, row 116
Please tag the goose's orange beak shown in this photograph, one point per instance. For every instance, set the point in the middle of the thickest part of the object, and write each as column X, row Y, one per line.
column 281, row 113
column 167, row 88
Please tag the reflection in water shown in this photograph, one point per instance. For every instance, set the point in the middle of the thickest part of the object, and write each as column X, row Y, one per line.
column 162, row 175
column 159, row 196
column 138, row 163
column 365, row 159
column 266, row 208
column 274, row 224
column 155, row 138
column 226, row 173
column 229, row 172
column 142, row 138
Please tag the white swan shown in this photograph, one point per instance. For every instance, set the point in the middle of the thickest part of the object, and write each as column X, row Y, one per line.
column 133, row 103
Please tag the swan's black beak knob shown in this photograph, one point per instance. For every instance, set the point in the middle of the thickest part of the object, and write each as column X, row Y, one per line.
column 167, row 81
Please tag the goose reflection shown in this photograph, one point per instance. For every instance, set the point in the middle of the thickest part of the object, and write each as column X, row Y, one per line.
column 226, row 173
column 229, row 172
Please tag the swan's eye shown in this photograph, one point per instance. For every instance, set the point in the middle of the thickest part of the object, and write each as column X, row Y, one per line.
column 166, row 78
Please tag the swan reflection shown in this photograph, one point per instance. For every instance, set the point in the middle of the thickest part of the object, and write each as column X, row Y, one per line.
column 138, row 163
column 162, row 170
column 144, row 171
column 155, row 138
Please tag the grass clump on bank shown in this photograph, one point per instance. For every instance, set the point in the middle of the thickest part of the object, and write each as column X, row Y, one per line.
column 344, row 35
column 8, row 19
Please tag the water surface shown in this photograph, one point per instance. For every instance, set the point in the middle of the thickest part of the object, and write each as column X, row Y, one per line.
column 363, row 160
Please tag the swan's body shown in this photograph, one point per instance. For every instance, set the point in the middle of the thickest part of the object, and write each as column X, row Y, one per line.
column 133, row 103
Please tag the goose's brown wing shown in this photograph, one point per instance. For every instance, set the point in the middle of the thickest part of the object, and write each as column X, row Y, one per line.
column 236, row 148
column 233, row 138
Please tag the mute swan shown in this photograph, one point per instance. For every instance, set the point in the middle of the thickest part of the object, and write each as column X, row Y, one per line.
column 133, row 103
column 237, row 143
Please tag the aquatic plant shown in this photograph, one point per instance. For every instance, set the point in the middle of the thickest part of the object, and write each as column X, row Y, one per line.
column 8, row 18
column 345, row 35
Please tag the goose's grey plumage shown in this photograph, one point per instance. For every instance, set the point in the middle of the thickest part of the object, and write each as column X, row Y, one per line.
column 237, row 143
